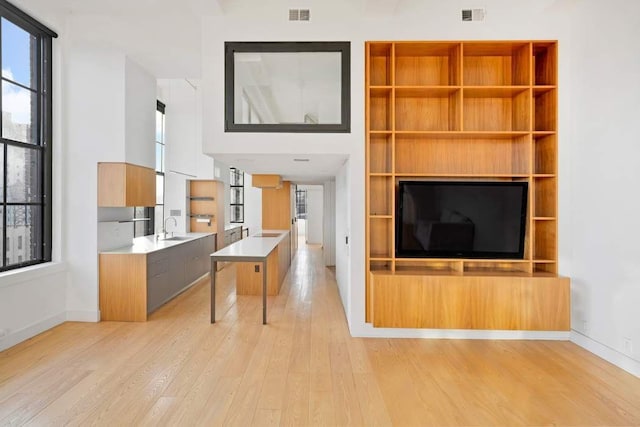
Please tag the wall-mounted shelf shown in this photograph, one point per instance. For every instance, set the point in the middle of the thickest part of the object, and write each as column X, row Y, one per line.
column 128, row 220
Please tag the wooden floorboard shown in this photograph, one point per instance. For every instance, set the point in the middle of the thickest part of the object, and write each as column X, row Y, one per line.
column 303, row 368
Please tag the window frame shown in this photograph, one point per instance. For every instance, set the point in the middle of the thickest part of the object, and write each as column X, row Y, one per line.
column 43, row 46
column 341, row 47
column 235, row 171
column 161, row 107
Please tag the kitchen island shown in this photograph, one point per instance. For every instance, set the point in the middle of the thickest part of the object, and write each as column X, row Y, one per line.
column 269, row 249
column 137, row 279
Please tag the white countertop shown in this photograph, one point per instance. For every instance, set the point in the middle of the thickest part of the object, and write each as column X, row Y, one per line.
column 148, row 244
column 256, row 245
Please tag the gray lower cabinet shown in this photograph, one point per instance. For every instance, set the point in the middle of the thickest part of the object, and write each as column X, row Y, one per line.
column 171, row 270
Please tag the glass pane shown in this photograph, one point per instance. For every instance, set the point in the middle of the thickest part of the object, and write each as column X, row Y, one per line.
column 23, row 175
column 237, row 195
column 23, row 234
column 159, row 217
column 18, row 54
column 18, row 113
column 159, row 159
column 273, row 96
column 159, row 189
column 159, row 127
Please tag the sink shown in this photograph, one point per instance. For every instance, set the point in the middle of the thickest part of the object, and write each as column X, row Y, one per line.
column 178, row 238
column 267, row 235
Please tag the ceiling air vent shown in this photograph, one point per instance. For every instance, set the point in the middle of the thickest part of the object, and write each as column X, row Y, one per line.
column 299, row 14
column 473, row 14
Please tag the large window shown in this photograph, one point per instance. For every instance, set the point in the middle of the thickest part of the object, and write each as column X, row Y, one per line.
column 160, row 141
column 25, row 139
column 236, row 183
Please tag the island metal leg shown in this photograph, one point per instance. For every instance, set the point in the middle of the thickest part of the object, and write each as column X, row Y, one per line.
column 214, row 266
column 264, row 292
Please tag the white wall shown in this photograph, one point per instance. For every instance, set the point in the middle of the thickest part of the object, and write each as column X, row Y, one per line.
column 343, row 261
column 605, row 172
column 329, row 227
column 140, row 115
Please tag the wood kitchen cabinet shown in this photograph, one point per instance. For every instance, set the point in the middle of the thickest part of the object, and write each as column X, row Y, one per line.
column 132, row 285
column 125, row 184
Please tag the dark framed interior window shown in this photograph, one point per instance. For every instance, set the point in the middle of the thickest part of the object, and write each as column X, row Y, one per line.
column 236, row 184
column 25, row 139
column 301, row 204
column 158, row 216
column 287, row 87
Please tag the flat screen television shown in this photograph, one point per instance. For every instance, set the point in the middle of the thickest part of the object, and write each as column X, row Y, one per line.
column 456, row 219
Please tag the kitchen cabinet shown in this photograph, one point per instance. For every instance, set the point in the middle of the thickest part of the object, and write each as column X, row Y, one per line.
column 125, row 184
column 132, row 285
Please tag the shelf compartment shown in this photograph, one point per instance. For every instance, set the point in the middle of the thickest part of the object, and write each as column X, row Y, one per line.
column 545, row 268
column 545, row 111
column 380, row 266
column 427, row 266
column 544, row 197
column 496, row 267
column 545, row 240
column 545, row 154
column 496, row 64
column 380, row 230
column 380, row 195
column 380, row 109
column 500, row 110
column 544, row 63
column 380, row 153
column 428, row 109
column 380, row 64
column 483, row 156
column 427, row 64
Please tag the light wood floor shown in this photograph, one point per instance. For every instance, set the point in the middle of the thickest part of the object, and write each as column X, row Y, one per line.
column 301, row 369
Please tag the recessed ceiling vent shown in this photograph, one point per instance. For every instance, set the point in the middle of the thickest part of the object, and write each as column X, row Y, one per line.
column 299, row 15
column 473, row 14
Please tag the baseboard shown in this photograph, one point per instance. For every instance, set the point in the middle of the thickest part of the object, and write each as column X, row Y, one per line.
column 368, row 331
column 83, row 316
column 31, row 331
column 607, row 353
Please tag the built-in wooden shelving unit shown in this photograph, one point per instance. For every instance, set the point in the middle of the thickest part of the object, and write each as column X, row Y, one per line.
column 206, row 208
column 463, row 111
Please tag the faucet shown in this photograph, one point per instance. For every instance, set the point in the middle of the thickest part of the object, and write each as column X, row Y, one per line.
column 164, row 230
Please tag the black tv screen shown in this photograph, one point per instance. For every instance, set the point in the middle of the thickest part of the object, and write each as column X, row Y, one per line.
column 454, row 219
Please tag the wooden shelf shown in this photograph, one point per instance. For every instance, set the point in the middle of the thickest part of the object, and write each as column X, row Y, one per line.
column 470, row 110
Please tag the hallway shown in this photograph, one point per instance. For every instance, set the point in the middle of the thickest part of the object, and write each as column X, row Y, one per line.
column 302, row 368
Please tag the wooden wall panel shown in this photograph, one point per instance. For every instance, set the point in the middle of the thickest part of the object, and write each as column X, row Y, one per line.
column 276, row 207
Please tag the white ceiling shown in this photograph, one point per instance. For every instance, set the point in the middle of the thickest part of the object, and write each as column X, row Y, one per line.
column 319, row 168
